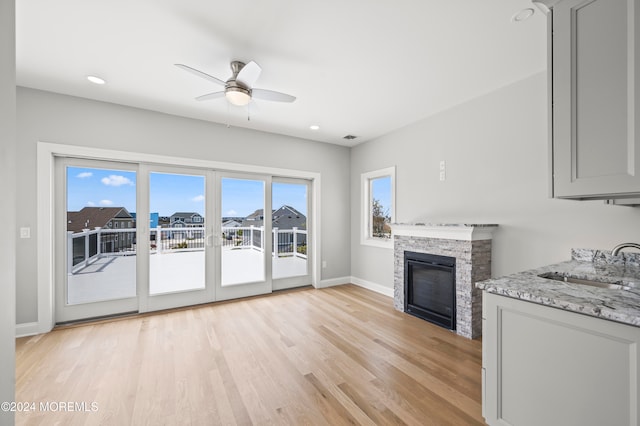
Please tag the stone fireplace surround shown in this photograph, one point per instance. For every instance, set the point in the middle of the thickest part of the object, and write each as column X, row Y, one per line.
column 469, row 244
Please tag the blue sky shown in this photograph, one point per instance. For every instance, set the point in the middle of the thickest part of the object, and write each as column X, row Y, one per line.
column 100, row 188
column 170, row 193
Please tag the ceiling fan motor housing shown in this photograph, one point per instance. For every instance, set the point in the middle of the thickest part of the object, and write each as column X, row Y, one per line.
column 236, row 92
column 236, row 66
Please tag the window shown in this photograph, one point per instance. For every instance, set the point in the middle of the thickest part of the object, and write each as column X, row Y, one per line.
column 378, row 207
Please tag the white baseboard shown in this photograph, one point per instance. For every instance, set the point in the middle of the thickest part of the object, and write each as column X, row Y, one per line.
column 378, row 288
column 27, row 329
column 333, row 282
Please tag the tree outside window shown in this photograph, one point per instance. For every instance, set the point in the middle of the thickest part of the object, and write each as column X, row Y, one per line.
column 378, row 207
column 381, row 207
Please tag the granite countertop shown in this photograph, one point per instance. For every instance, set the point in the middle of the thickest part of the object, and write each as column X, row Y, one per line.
column 612, row 304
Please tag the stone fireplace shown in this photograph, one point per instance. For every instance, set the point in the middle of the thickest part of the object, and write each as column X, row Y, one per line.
column 469, row 244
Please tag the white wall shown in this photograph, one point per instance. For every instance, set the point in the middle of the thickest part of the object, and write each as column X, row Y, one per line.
column 49, row 117
column 495, row 148
column 8, row 196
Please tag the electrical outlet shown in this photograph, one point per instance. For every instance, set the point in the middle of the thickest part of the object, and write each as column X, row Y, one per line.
column 25, row 232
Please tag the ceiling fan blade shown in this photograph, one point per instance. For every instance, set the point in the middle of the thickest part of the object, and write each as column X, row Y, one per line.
column 249, row 74
column 270, row 95
column 201, row 74
column 209, row 96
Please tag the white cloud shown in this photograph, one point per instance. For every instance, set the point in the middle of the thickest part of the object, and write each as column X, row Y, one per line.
column 232, row 213
column 106, row 202
column 84, row 175
column 198, row 198
column 116, row 180
column 91, row 204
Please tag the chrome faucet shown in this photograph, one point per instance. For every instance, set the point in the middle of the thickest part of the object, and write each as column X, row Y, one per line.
column 619, row 247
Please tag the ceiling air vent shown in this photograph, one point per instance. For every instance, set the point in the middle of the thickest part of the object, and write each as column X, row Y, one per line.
column 349, row 137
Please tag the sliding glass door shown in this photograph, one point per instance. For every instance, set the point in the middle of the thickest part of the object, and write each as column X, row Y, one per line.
column 143, row 237
column 290, row 229
column 179, row 251
column 244, row 235
column 96, row 239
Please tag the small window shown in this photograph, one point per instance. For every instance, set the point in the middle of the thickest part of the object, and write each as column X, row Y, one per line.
column 378, row 207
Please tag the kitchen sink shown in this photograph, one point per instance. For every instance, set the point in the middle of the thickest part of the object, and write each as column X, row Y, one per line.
column 593, row 283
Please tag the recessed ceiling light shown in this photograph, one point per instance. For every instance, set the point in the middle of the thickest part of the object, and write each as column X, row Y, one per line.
column 314, row 127
column 523, row 15
column 96, row 80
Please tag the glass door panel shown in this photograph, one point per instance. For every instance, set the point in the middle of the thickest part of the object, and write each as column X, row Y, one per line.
column 244, row 239
column 96, row 239
column 178, row 254
column 177, row 232
column 243, row 246
column 290, row 228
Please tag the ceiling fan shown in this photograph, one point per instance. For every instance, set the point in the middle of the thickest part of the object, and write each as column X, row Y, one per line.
column 238, row 89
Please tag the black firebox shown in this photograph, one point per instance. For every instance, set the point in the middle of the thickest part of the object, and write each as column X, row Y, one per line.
column 430, row 288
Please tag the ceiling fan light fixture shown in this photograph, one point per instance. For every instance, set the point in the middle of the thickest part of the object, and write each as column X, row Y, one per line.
column 238, row 96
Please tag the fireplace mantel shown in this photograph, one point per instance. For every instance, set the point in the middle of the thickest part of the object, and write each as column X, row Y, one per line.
column 447, row 231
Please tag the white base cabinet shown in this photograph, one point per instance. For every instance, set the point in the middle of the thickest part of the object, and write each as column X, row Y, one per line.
column 546, row 366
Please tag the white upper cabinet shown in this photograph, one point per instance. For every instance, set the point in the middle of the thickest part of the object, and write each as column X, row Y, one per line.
column 594, row 66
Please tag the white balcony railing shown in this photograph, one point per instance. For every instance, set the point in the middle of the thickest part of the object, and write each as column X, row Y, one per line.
column 84, row 248
column 177, row 239
column 87, row 246
column 289, row 242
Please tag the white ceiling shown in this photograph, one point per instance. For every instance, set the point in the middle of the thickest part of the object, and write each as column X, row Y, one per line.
column 357, row 67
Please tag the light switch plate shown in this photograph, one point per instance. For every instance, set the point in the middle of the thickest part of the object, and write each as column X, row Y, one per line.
column 25, row 232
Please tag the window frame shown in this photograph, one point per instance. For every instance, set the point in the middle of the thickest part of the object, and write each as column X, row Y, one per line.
column 366, row 179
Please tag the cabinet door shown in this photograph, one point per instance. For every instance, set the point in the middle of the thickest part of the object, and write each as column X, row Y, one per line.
column 546, row 366
column 594, row 60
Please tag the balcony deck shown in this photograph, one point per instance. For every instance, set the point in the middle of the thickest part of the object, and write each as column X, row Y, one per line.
column 113, row 277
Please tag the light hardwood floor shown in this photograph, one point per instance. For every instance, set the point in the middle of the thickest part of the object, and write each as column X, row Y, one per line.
column 335, row 356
